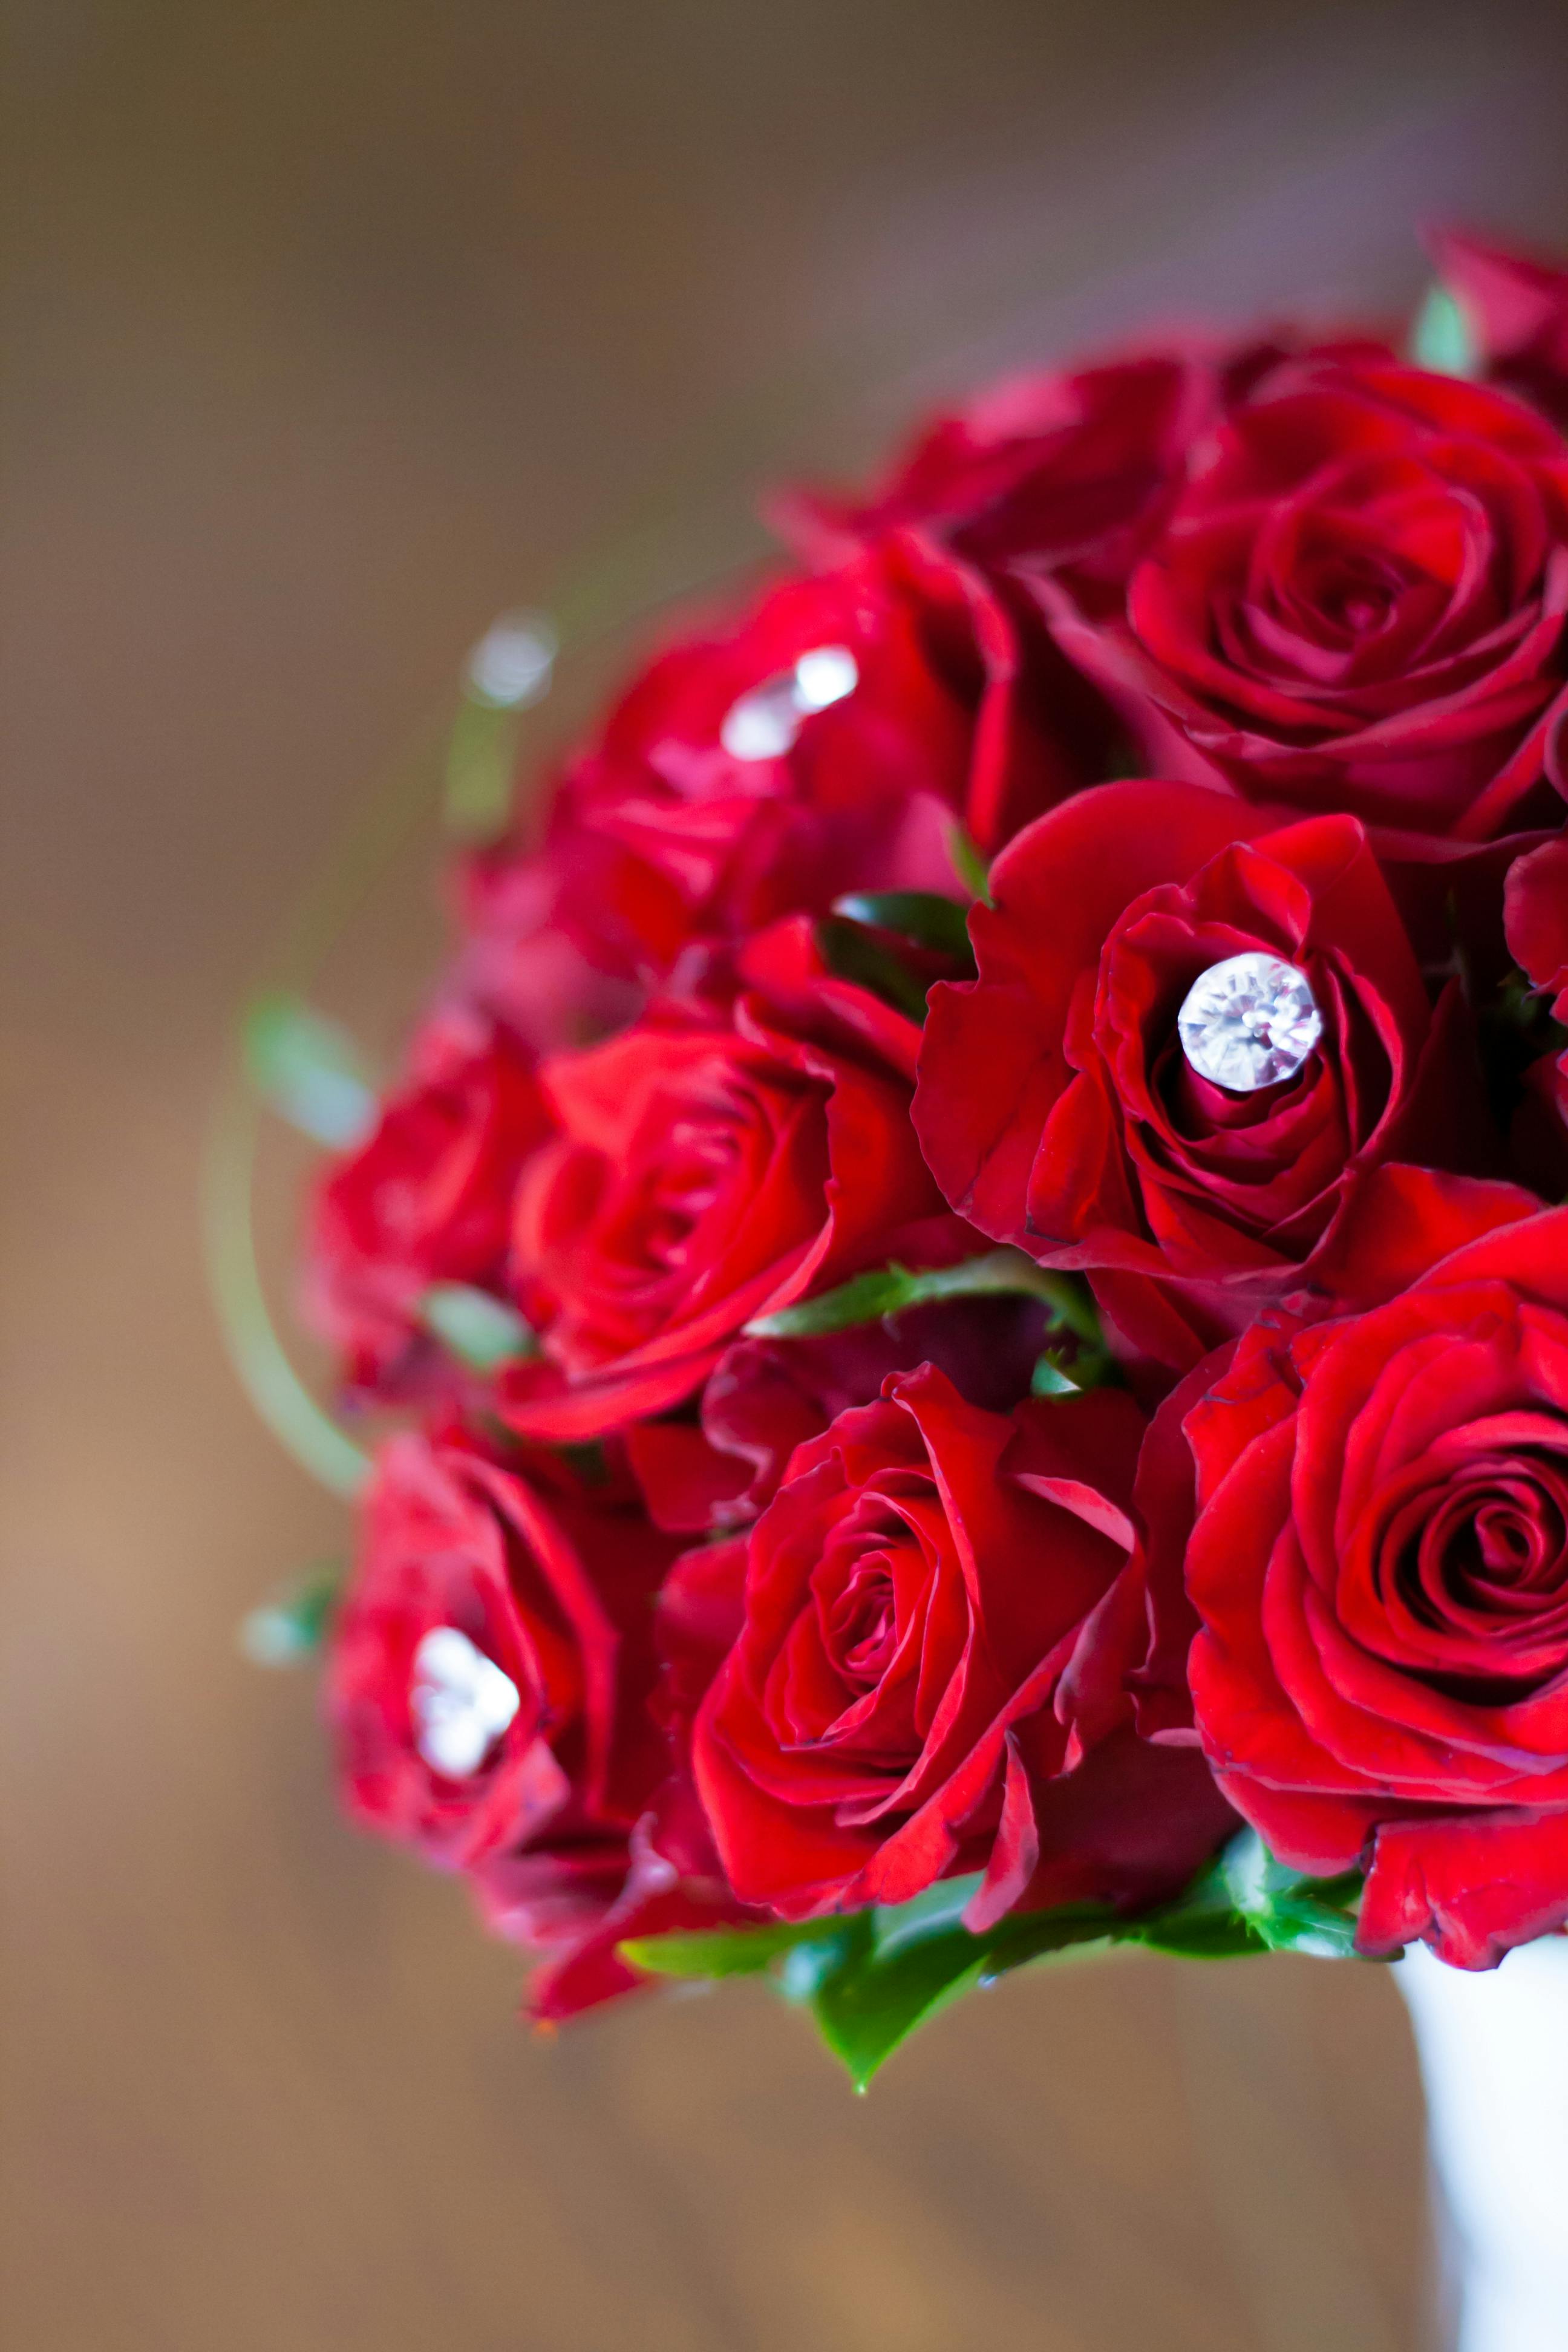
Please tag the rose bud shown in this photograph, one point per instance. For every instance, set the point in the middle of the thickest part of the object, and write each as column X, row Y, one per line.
column 926, row 1682
column 426, row 1201
column 1358, row 602
column 1380, row 1564
column 1190, row 1037
column 490, row 1667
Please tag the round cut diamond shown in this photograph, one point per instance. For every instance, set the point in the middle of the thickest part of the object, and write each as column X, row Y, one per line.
column 460, row 1700
column 764, row 724
column 1248, row 1023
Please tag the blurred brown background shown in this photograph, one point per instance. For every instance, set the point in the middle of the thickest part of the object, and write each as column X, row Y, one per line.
column 330, row 332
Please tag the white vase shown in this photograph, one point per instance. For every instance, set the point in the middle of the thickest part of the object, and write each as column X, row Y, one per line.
column 1494, row 2056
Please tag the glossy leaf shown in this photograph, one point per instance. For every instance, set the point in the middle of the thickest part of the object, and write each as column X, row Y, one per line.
column 924, row 916
column 870, row 2004
column 968, row 864
column 870, row 1978
column 852, row 952
column 727, row 1951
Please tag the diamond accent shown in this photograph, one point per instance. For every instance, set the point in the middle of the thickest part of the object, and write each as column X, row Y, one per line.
column 1249, row 1023
column 460, row 1700
column 764, row 723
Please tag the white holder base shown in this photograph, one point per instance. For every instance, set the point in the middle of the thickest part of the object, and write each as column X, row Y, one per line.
column 1494, row 2056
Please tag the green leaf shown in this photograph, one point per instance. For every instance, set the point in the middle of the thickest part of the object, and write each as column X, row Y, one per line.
column 308, row 1070
column 912, row 1969
column 863, row 2013
column 816, row 1960
column 1442, row 338
column 726, row 1951
column 1285, row 1908
column 924, row 916
column 852, row 952
column 480, row 1330
column 1061, row 1372
column 890, row 1289
column 968, row 864
column 871, row 1978
column 1202, row 1923
column 291, row 1628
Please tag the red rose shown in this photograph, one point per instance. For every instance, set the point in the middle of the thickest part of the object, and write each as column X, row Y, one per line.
column 1358, row 603
column 922, row 1686
column 427, row 1200
column 713, row 1164
column 577, row 1905
column 1070, row 471
column 489, row 1670
column 1058, row 1110
column 1516, row 306
column 517, row 964
column 572, row 1908
column 1535, row 915
column 768, row 1396
column 1061, row 473
column 827, row 741
column 1380, row 1562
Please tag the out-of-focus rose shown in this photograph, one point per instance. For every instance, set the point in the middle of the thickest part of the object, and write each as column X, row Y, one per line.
column 490, row 1667
column 425, row 1199
column 924, row 1685
column 672, row 1879
column 1380, row 1563
column 517, row 964
column 1358, row 603
column 1516, row 305
column 714, row 1163
column 1066, row 471
column 1059, row 1110
column 830, row 739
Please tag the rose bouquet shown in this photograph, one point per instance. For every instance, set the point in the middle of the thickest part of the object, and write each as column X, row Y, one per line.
column 962, row 1287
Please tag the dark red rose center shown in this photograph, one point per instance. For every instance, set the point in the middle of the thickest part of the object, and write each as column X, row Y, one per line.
column 861, row 1626
column 848, row 1673
column 1481, row 1570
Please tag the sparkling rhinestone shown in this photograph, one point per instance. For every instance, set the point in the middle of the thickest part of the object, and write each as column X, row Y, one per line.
column 511, row 666
column 1248, row 1023
column 764, row 724
column 461, row 1702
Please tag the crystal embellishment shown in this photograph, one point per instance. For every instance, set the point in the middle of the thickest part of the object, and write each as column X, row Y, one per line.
column 764, row 724
column 1249, row 1023
column 460, row 1700
column 511, row 664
